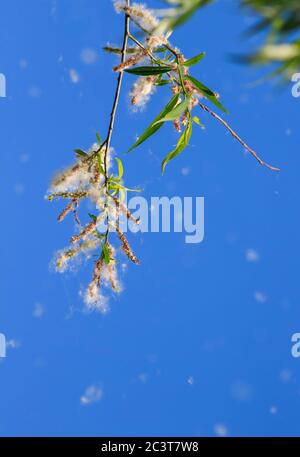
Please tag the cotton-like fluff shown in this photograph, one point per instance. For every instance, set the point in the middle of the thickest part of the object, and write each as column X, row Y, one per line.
column 140, row 15
column 65, row 259
column 142, row 90
column 94, row 300
column 76, row 177
column 110, row 273
column 155, row 41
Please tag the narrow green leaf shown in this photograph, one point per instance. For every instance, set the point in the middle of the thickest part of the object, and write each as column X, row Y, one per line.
column 105, row 254
column 181, row 19
column 160, row 49
column 80, row 153
column 209, row 94
column 118, row 187
column 181, row 145
column 176, row 112
column 120, row 167
column 194, row 60
column 163, row 82
column 153, row 128
column 100, row 166
column 201, row 86
column 93, row 217
column 122, row 194
column 148, row 71
column 114, row 186
column 99, row 139
column 197, row 121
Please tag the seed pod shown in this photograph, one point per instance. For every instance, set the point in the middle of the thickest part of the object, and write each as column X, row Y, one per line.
column 126, row 247
column 65, row 212
column 85, row 232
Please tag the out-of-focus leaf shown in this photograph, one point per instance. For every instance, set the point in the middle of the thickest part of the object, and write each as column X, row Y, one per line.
column 163, row 82
column 80, row 153
column 280, row 19
column 98, row 139
column 197, row 121
column 93, row 217
column 185, row 10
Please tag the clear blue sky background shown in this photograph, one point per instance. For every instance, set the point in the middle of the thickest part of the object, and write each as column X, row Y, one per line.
column 199, row 341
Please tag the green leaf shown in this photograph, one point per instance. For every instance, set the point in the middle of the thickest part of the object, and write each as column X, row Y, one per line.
column 176, row 112
column 163, row 82
column 99, row 139
column 80, row 153
column 148, row 71
column 181, row 145
column 194, row 60
column 105, row 254
column 117, row 187
column 120, row 167
column 93, row 217
column 122, row 194
column 197, row 121
column 160, row 49
column 153, row 128
column 181, row 19
column 100, row 167
column 209, row 94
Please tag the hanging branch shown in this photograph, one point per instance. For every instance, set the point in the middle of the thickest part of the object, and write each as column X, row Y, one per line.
column 157, row 63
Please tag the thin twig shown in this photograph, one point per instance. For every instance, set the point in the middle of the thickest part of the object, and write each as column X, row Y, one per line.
column 118, row 91
column 239, row 139
column 115, row 106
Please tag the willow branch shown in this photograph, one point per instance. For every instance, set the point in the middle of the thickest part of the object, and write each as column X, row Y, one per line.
column 114, row 107
column 239, row 139
column 118, row 91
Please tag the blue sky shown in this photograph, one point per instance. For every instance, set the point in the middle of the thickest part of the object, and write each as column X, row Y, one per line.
column 199, row 341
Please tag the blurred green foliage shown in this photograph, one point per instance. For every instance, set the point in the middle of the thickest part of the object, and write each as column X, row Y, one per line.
column 280, row 22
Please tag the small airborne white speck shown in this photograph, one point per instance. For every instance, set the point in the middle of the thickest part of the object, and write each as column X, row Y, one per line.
column 23, row 64
column 24, row 158
column 88, row 56
column 185, row 171
column 221, row 430
column 273, row 410
column 13, row 344
column 260, row 297
column 91, row 395
column 285, row 376
column 19, row 188
column 38, row 310
column 74, row 76
column 252, row 255
column 34, row 92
